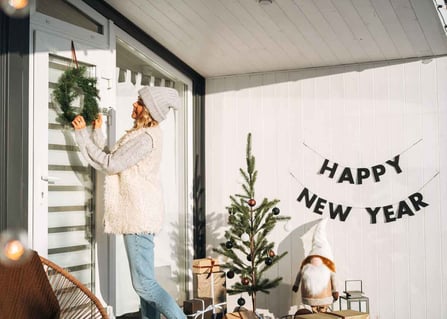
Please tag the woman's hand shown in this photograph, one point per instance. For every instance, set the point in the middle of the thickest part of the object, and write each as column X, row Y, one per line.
column 97, row 123
column 78, row 122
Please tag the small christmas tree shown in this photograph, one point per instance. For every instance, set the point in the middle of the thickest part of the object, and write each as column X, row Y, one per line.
column 249, row 252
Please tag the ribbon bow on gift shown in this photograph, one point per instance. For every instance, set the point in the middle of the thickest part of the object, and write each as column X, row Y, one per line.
column 209, row 308
column 209, row 268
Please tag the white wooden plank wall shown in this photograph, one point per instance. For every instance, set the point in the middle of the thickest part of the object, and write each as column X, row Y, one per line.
column 358, row 117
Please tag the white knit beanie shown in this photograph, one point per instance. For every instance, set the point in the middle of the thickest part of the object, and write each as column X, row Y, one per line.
column 159, row 100
column 320, row 244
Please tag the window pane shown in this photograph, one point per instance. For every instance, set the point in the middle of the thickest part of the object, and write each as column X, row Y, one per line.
column 64, row 11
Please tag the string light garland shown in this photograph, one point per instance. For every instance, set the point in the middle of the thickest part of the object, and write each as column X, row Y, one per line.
column 15, row 8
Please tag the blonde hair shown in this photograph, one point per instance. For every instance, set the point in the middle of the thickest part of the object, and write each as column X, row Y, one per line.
column 144, row 120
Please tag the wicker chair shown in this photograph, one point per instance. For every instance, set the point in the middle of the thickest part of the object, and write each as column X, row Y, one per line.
column 25, row 290
column 75, row 300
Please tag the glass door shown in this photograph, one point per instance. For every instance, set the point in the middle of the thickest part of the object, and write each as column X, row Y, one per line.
column 136, row 67
column 64, row 224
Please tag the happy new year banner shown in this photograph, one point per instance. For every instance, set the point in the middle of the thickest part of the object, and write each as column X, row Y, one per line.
column 356, row 176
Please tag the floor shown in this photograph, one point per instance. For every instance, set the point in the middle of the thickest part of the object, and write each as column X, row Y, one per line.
column 134, row 315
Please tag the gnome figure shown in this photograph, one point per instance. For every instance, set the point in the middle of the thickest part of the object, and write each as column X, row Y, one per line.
column 317, row 273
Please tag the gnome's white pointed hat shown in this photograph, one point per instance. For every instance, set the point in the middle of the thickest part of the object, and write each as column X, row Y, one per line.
column 320, row 244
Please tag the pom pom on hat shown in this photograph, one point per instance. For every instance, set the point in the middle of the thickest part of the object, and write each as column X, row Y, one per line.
column 320, row 244
column 159, row 100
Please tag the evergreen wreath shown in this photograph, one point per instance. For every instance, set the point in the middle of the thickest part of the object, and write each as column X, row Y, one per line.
column 72, row 84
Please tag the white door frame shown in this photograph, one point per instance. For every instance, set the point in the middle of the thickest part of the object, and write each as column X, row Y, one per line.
column 53, row 36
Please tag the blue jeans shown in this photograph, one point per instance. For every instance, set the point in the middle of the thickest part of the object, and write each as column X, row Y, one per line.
column 153, row 298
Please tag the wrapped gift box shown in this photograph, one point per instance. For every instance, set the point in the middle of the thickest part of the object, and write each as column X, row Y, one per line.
column 194, row 308
column 343, row 314
column 211, row 285
column 351, row 314
column 243, row 314
column 204, row 266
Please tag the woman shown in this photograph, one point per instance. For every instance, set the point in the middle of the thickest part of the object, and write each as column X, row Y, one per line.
column 133, row 198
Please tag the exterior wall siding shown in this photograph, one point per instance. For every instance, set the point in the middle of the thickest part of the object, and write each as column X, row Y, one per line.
column 357, row 116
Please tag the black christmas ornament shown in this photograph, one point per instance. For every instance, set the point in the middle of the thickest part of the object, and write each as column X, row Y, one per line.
column 275, row 211
column 251, row 202
column 229, row 244
column 241, row 301
column 230, row 274
column 249, row 257
column 268, row 261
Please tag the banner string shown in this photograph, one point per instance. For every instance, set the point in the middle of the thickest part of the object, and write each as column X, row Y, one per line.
column 343, row 165
column 361, row 207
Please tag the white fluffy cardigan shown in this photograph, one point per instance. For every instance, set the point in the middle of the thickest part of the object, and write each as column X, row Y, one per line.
column 133, row 196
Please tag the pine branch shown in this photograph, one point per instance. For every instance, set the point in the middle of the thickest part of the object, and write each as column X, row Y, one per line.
column 257, row 221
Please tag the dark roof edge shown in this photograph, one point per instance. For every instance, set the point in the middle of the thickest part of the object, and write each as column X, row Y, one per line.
column 125, row 24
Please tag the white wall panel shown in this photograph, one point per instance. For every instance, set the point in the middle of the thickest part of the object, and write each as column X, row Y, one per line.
column 357, row 117
column 441, row 69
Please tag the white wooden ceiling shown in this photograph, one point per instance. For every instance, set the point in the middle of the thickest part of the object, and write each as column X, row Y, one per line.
column 225, row 37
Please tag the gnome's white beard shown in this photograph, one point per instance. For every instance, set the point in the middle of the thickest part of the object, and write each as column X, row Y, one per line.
column 315, row 278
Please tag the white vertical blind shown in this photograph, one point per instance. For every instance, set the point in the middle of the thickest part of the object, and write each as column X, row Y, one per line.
column 70, row 191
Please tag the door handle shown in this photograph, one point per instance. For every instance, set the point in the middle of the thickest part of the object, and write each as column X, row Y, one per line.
column 49, row 179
